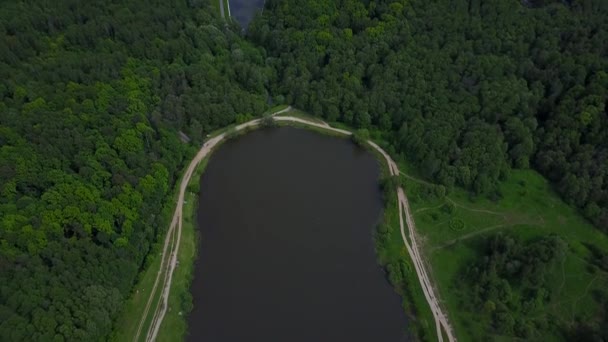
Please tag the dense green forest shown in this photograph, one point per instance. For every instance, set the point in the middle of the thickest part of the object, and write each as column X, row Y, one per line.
column 467, row 89
column 508, row 264
column 95, row 93
column 92, row 98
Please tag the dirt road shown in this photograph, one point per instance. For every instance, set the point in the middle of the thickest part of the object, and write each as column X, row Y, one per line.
column 172, row 240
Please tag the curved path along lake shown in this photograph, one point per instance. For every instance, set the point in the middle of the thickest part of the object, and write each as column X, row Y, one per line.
column 286, row 253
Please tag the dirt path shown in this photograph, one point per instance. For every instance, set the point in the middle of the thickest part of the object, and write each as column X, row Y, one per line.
column 441, row 321
column 172, row 241
column 418, row 180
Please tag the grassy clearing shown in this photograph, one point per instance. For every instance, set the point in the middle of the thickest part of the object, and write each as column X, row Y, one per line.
column 127, row 324
column 276, row 109
column 220, row 131
column 528, row 209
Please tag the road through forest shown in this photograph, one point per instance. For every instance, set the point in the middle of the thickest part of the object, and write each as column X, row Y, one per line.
column 172, row 240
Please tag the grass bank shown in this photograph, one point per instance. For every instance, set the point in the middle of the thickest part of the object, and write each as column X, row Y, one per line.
column 390, row 250
column 455, row 226
column 174, row 325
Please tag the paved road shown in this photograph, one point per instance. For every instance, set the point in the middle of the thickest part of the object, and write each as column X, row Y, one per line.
column 172, row 241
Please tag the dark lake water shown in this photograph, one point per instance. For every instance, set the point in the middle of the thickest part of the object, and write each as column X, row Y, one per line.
column 244, row 10
column 286, row 250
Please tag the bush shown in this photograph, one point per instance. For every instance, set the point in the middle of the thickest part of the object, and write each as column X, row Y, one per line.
column 268, row 121
column 434, row 216
column 456, row 225
column 448, row 208
column 186, row 302
column 231, row 133
column 279, row 99
column 395, row 274
column 383, row 235
column 242, row 118
column 360, row 137
column 389, row 185
column 440, row 191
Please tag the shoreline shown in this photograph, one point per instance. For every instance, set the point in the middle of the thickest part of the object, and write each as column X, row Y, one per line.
column 173, row 237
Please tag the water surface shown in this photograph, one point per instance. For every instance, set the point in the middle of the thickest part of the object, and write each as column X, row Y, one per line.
column 286, row 252
column 244, row 10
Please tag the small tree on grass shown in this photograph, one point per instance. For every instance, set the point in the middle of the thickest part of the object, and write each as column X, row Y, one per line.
column 440, row 191
column 448, row 208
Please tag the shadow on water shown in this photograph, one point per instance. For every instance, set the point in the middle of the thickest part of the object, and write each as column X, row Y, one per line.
column 243, row 11
column 286, row 253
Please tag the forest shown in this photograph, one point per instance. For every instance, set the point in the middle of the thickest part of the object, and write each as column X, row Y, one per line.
column 466, row 90
column 508, row 263
column 95, row 94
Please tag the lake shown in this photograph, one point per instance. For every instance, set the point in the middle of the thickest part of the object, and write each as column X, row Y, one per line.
column 244, row 10
column 286, row 219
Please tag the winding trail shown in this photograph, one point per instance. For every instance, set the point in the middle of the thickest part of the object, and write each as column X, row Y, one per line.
column 172, row 240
